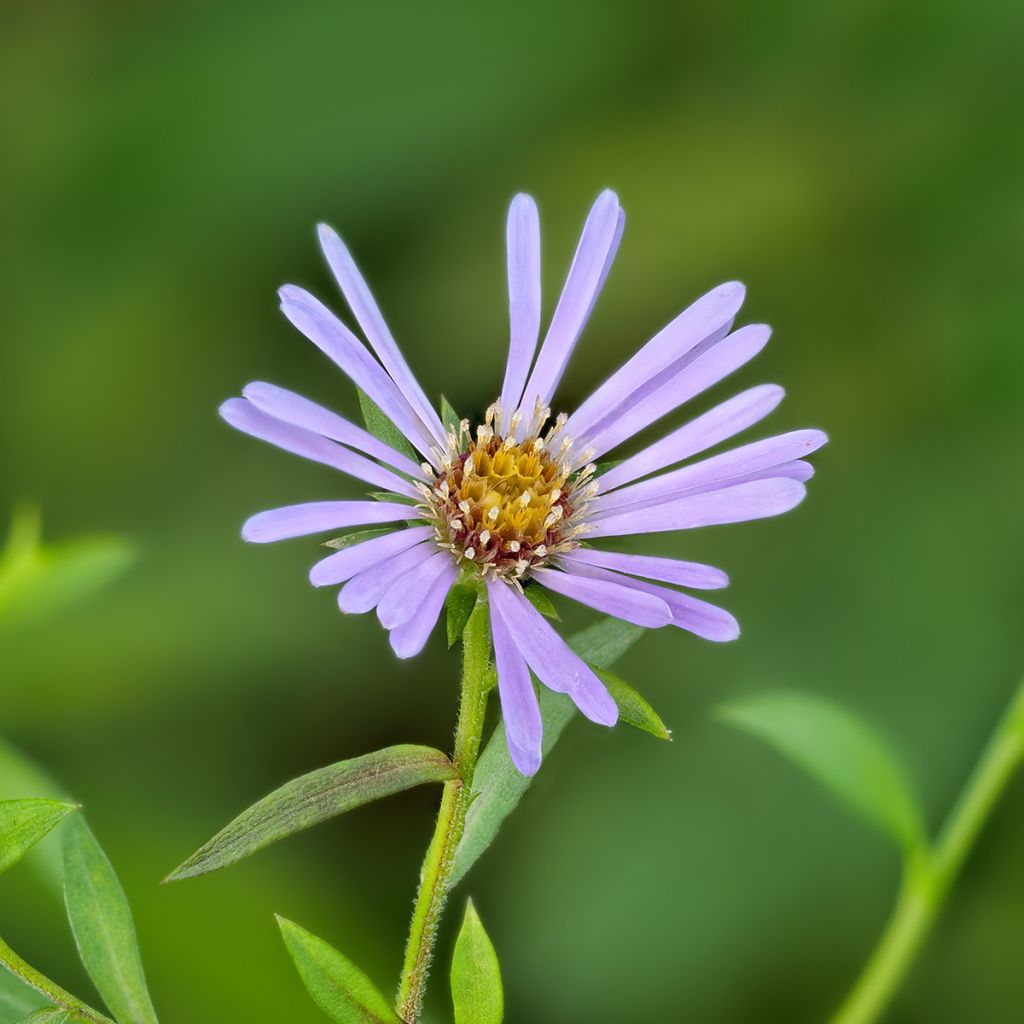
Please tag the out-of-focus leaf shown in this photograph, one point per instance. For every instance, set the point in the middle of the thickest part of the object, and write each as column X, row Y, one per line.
column 316, row 797
column 382, row 428
column 356, row 537
column 538, row 597
column 476, row 976
column 37, row 581
column 16, row 998
column 21, row 779
column 449, row 417
column 838, row 748
column 497, row 786
column 633, row 708
column 23, row 823
column 337, row 986
column 460, row 602
column 102, row 924
column 48, row 1015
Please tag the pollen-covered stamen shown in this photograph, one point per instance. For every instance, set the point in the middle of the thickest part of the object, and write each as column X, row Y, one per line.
column 504, row 504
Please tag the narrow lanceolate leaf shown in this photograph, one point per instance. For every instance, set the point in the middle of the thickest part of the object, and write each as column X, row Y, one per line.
column 16, row 998
column 538, row 597
column 476, row 977
column 460, row 602
column 23, row 823
column 104, row 931
column 382, row 428
column 449, row 417
column 356, row 537
column 841, row 750
column 337, row 986
column 316, row 797
column 497, row 786
column 48, row 1015
column 633, row 708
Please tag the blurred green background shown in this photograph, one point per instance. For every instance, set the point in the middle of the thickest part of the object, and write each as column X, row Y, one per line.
column 858, row 165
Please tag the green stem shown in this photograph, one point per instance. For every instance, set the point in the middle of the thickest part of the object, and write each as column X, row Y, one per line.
column 51, row 990
column 435, row 875
column 929, row 876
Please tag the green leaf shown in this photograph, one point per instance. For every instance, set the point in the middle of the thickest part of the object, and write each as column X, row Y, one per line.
column 538, row 597
column 48, row 1015
column 337, row 986
column 497, row 786
column 356, row 537
column 37, row 581
column 392, row 497
column 633, row 708
column 449, row 417
column 314, row 798
column 23, row 823
column 102, row 924
column 460, row 602
column 476, row 977
column 20, row 778
column 841, row 750
column 382, row 428
column 16, row 998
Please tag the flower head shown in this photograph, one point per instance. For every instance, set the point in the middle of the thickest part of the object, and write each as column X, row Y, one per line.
column 519, row 500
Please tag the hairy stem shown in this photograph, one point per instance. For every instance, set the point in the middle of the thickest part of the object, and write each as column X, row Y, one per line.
column 52, row 991
column 928, row 878
column 435, row 875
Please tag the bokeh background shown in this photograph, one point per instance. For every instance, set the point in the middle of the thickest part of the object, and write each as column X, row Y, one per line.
column 858, row 165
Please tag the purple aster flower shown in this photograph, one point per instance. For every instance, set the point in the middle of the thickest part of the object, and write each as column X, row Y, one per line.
column 520, row 501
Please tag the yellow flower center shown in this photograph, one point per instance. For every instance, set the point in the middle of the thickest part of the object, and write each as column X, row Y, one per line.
column 505, row 503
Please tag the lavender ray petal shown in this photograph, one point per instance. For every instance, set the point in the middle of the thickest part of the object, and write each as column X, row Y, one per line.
column 743, row 462
column 660, row 396
column 590, row 265
column 523, row 246
column 345, row 564
column 362, row 592
column 291, row 408
column 740, row 503
column 321, row 516
column 368, row 315
column 331, row 336
column 721, row 423
column 244, row 416
column 408, row 639
column 711, row 313
column 558, row 668
column 688, row 612
column 611, row 598
column 407, row 593
column 520, row 711
column 667, row 570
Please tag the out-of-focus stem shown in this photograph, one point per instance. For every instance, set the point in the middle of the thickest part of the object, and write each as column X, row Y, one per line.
column 929, row 876
column 52, row 991
column 435, row 875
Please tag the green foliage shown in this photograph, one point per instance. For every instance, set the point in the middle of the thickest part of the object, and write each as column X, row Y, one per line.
column 449, row 417
column 48, row 1015
column 476, row 977
column 382, row 428
column 337, row 986
column 104, row 931
column 356, row 537
column 460, row 602
column 538, row 597
column 316, row 797
column 633, row 708
column 497, row 786
column 37, row 581
column 23, row 823
column 16, row 998
column 841, row 750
